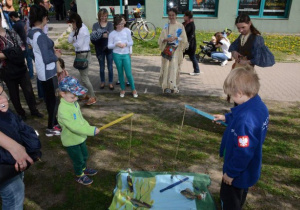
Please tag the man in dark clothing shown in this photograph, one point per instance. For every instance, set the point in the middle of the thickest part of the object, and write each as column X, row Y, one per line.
column 59, row 9
column 15, row 63
column 19, row 27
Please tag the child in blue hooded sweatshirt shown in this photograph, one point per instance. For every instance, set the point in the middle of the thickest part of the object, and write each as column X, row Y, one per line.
column 243, row 138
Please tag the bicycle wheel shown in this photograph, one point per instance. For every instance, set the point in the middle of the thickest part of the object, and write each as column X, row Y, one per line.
column 134, row 30
column 147, row 31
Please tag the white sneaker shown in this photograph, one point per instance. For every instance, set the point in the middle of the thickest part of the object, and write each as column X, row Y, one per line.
column 194, row 74
column 224, row 63
column 122, row 94
column 134, row 94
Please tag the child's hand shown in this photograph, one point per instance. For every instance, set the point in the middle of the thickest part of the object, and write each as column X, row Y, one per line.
column 58, row 53
column 219, row 117
column 226, row 179
column 97, row 131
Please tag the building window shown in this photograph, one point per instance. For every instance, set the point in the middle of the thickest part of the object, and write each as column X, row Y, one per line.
column 118, row 5
column 265, row 8
column 204, row 7
column 200, row 8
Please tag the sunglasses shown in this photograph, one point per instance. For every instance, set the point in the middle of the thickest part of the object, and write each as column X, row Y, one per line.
column 104, row 10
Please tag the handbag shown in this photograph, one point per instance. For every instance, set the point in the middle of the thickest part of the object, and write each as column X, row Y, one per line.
column 81, row 62
column 170, row 48
column 169, row 51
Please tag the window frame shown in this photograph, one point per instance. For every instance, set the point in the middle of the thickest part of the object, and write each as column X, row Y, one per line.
column 215, row 15
column 121, row 9
column 261, row 11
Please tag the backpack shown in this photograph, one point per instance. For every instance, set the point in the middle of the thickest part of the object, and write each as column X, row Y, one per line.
column 15, row 62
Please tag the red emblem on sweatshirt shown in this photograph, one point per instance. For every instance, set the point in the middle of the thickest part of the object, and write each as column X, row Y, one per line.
column 243, row 141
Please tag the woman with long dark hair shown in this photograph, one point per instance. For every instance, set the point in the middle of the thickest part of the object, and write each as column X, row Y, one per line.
column 45, row 63
column 80, row 38
column 249, row 48
column 172, row 42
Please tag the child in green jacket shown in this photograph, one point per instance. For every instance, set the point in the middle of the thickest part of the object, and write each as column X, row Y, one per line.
column 75, row 128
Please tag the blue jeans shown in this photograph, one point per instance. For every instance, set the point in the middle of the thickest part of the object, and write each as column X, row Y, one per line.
column 12, row 193
column 219, row 56
column 109, row 59
column 123, row 61
column 28, row 56
column 195, row 62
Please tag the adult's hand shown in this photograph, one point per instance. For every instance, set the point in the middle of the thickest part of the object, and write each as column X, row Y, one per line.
column 3, row 101
column 58, row 53
column 16, row 150
column 19, row 154
column 171, row 39
column 105, row 35
column 236, row 55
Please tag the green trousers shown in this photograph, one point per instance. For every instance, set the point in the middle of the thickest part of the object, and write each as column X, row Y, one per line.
column 79, row 155
column 123, row 61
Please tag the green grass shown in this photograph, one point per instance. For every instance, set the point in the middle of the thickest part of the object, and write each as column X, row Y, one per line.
column 286, row 48
column 50, row 184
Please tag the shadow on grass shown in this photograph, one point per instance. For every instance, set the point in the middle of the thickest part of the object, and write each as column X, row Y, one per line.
column 155, row 134
column 55, row 190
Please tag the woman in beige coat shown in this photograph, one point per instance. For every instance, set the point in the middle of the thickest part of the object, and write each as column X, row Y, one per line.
column 173, row 37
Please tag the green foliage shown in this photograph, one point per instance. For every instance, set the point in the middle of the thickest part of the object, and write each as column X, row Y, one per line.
column 284, row 47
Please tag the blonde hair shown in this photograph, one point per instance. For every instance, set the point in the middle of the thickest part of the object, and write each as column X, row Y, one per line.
column 242, row 80
column 101, row 13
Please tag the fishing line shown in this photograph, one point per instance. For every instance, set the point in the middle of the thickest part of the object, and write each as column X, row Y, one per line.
column 178, row 143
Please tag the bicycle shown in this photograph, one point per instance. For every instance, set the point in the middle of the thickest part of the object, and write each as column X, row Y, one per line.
column 141, row 29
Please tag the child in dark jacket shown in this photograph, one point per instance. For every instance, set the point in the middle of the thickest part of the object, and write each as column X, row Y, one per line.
column 243, row 138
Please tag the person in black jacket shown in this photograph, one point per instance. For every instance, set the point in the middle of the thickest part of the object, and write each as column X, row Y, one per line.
column 14, row 71
column 17, row 140
column 19, row 27
column 190, row 33
column 59, row 9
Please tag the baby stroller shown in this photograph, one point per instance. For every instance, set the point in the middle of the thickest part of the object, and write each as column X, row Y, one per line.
column 210, row 46
column 205, row 50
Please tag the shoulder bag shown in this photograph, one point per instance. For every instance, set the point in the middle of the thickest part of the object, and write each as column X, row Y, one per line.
column 81, row 61
column 169, row 50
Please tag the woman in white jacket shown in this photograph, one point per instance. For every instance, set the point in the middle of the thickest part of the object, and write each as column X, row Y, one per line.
column 80, row 38
column 224, row 44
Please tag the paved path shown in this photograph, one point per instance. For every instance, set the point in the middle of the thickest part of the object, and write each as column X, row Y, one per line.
column 280, row 82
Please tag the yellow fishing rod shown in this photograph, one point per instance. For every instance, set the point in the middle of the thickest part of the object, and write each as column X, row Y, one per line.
column 116, row 121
